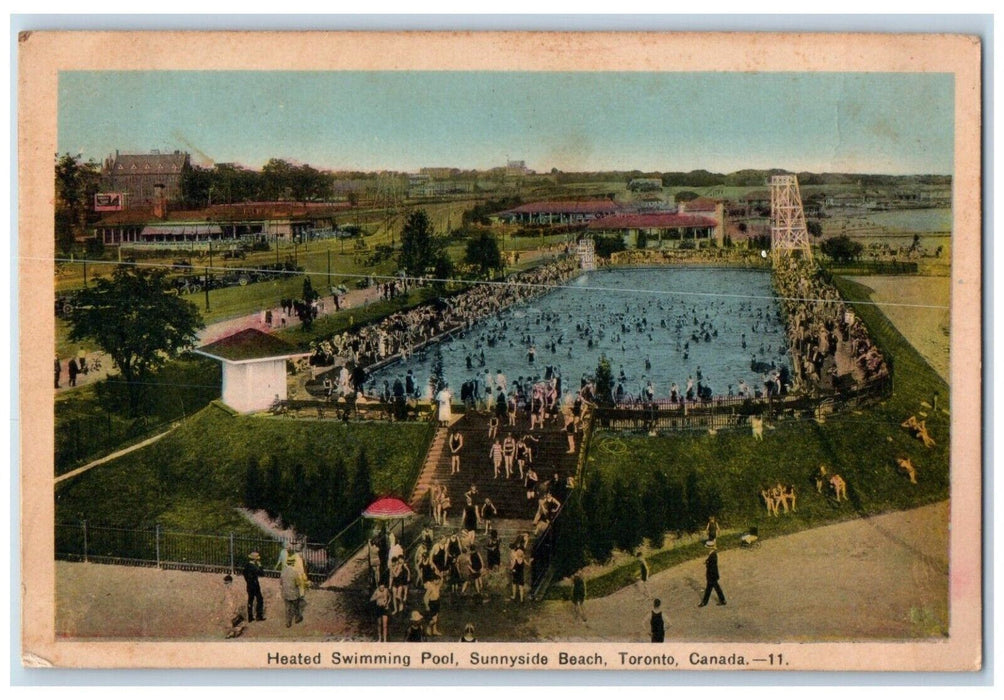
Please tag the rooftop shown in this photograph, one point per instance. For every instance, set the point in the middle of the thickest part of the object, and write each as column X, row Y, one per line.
column 654, row 220
column 249, row 344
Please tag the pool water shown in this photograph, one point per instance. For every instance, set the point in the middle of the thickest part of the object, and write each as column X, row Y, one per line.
column 654, row 324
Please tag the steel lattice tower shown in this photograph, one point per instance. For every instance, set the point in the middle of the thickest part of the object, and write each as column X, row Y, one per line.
column 787, row 219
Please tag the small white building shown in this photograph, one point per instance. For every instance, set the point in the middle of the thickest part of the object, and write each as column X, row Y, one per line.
column 254, row 368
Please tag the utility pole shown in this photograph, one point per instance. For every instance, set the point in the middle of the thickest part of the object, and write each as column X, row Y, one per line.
column 206, row 287
column 329, row 268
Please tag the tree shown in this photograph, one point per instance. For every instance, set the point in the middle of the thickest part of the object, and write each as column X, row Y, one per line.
column 814, row 228
column 685, row 196
column 483, row 254
column 654, row 502
column 572, row 535
column 596, row 503
column 841, row 248
column 362, row 485
column 442, row 271
column 626, row 524
column 642, row 241
column 605, row 246
column 134, row 317
column 252, row 484
column 418, row 247
column 604, row 382
column 76, row 185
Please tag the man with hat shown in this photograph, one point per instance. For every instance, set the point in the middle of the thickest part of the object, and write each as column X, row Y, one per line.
column 711, row 577
column 256, row 603
column 292, row 585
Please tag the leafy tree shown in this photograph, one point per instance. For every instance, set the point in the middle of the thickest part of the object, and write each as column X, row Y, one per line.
column 336, row 503
column 604, row 382
column 442, row 271
column 626, row 523
column 841, row 248
column 605, row 246
column 814, row 228
column 596, row 503
column 76, row 185
column 483, row 254
column 252, row 484
column 137, row 321
column 654, row 503
column 419, row 248
column 642, row 241
column 273, row 491
column 572, row 536
column 696, row 512
column 685, row 196
column 362, row 484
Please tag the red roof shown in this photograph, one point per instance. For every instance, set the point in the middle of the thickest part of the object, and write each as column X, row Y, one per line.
column 591, row 206
column 387, row 508
column 659, row 220
column 700, row 204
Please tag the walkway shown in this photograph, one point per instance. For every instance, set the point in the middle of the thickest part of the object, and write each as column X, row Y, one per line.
column 221, row 329
column 114, row 455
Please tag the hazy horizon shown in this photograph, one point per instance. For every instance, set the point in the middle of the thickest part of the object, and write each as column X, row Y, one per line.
column 846, row 123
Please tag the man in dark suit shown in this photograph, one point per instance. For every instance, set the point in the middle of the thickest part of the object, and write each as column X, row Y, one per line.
column 711, row 576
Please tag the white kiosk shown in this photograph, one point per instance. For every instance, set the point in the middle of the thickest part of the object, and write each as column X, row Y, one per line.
column 254, row 368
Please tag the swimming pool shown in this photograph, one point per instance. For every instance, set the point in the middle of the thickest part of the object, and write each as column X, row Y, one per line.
column 654, row 324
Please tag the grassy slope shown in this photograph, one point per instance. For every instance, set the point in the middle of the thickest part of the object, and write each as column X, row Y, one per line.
column 859, row 445
column 92, row 420
column 194, row 478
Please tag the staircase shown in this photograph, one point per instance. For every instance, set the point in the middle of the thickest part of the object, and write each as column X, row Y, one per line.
column 419, row 501
column 550, row 457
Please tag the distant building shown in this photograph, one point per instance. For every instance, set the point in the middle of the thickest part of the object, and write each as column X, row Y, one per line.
column 662, row 228
column 145, row 226
column 559, row 213
column 138, row 175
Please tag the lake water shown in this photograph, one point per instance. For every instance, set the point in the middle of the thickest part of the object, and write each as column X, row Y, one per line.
column 632, row 316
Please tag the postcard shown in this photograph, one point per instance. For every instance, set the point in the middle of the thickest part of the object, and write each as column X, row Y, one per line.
column 534, row 351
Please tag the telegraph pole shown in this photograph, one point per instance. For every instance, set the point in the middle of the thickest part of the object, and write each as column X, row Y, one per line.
column 329, row 268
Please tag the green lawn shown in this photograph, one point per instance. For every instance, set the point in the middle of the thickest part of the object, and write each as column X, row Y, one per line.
column 92, row 420
column 860, row 445
column 193, row 479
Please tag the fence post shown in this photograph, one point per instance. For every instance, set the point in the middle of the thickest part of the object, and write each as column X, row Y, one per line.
column 156, row 539
column 83, row 524
column 231, row 552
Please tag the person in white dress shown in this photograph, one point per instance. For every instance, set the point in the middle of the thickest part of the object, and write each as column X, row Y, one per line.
column 445, row 398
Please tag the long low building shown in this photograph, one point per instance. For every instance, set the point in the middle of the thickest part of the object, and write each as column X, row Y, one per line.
column 663, row 228
column 560, row 212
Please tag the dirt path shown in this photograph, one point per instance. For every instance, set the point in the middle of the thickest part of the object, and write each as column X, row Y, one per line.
column 114, row 455
column 874, row 578
column 882, row 577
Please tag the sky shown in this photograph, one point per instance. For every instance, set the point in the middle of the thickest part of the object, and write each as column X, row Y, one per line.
column 886, row 123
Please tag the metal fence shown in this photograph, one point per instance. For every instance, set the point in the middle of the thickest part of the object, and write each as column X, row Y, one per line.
column 169, row 549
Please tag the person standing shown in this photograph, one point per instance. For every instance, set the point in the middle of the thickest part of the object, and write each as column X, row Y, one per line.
column 712, row 529
column 456, row 444
column 445, row 398
column 59, row 371
column 642, row 574
column 711, row 576
column 292, row 587
column 578, row 597
column 656, row 624
column 256, row 603
column 233, row 616
column 71, row 368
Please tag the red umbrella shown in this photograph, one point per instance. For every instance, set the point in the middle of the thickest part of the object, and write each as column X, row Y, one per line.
column 388, row 508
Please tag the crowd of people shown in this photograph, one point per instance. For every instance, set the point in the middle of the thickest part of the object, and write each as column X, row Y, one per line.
column 401, row 333
column 464, row 563
column 821, row 325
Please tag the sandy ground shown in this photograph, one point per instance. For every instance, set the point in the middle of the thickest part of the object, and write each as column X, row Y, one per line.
column 884, row 577
column 926, row 329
